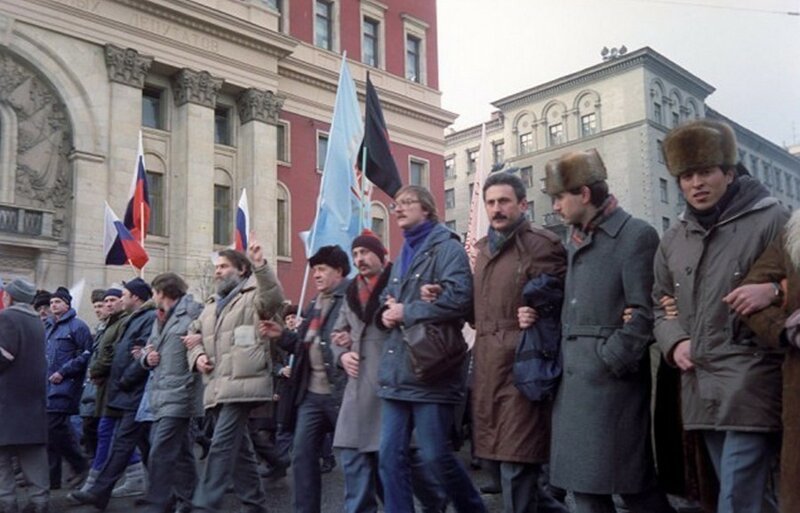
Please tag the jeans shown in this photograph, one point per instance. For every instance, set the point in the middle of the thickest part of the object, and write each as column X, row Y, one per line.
column 316, row 416
column 432, row 422
column 62, row 444
column 172, row 469
column 743, row 462
column 33, row 461
column 361, row 483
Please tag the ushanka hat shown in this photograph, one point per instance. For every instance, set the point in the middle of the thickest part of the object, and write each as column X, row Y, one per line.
column 574, row 170
column 332, row 256
column 699, row 144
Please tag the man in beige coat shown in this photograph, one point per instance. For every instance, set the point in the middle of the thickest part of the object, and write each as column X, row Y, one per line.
column 226, row 348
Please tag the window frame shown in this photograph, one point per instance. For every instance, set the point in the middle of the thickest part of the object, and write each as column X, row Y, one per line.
column 162, row 106
column 417, row 29
column 332, row 25
column 326, row 135
column 425, row 172
column 287, row 142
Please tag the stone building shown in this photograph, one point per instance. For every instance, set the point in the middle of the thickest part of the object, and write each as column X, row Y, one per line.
column 229, row 94
column 624, row 107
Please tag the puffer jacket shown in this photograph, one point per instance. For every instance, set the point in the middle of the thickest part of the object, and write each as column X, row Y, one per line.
column 128, row 378
column 69, row 346
column 241, row 358
column 440, row 259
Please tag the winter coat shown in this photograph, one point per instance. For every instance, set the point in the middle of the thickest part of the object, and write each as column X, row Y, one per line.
column 241, row 358
column 734, row 385
column 292, row 343
column 127, row 379
column 23, row 379
column 100, row 362
column 69, row 346
column 601, row 417
column 775, row 265
column 88, row 404
column 440, row 259
column 174, row 390
column 507, row 426
column 358, row 425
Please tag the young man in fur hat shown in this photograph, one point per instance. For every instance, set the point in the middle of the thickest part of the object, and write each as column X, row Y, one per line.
column 601, row 417
column 730, row 392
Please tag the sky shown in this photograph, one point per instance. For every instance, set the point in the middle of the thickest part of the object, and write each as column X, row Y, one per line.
column 749, row 50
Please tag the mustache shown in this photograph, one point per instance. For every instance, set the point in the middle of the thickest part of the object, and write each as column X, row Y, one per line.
column 499, row 216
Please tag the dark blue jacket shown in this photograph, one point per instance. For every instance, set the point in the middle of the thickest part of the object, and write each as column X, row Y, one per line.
column 440, row 259
column 128, row 378
column 68, row 348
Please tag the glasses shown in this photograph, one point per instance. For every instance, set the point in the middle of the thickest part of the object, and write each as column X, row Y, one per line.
column 402, row 203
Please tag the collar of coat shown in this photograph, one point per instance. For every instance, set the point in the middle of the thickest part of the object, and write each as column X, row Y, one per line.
column 483, row 244
column 366, row 315
column 752, row 196
column 248, row 285
column 613, row 224
column 24, row 308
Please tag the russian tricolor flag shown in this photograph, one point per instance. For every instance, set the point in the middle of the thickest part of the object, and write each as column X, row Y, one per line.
column 137, row 214
column 119, row 245
column 242, row 228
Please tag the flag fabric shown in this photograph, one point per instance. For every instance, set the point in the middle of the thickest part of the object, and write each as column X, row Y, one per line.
column 119, row 245
column 478, row 225
column 137, row 214
column 242, row 228
column 380, row 165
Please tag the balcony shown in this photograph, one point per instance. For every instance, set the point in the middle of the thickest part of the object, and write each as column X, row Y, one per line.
column 26, row 221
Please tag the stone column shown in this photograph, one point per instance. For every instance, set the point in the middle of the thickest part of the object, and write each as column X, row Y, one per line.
column 258, row 163
column 191, row 221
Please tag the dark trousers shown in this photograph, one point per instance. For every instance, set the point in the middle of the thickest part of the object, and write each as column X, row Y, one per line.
column 652, row 500
column 89, row 440
column 263, row 444
column 172, row 469
column 316, row 416
column 128, row 435
column 62, row 444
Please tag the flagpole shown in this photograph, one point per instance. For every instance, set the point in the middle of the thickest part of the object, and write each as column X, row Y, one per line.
column 141, row 236
column 363, row 183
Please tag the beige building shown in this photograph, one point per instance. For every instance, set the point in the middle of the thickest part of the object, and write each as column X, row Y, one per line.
column 624, row 107
column 229, row 95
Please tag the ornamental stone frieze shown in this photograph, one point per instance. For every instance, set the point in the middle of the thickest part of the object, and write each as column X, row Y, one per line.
column 197, row 87
column 126, row 66
column 258, row 105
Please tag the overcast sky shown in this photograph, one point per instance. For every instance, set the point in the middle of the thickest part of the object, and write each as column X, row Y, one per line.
column 747, row 49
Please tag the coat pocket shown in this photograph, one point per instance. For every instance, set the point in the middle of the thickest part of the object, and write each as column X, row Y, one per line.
column 249, row 361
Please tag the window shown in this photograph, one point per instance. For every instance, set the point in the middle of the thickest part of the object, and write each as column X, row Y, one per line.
column 754, row 168
column 531, row 211
column 797, row 186
column 588, row 124
column 379, row 226
column 323, row 24
column 369, row 43
column 778, row 177
column 322, row 150
column 155, row 184
column 472, row 160
column 283, row 247
column 278, row 6
column 663, row 187
column 282, row 142
column 789, row 189
column 660, row 150
column 222, row 214
column 417, row 173
column 451, row 225
column 471, row 191
column 664, row 224
column 657, row 113
column 152, row 115
column 526, row 175
column 525, row 143
column 450, row 198
column 450, row 167
column 556, row 134
column 413, row 69
column 498, row 152
column 222, row 126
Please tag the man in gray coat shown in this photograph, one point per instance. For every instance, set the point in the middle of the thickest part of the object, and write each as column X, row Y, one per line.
column 23, row 393
column 730, row 387
column 601, row 416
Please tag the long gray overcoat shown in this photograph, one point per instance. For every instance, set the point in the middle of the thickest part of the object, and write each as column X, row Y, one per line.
column 601, row 416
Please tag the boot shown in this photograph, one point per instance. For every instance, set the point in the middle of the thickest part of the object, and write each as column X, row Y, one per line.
column 134, row 482
column 90, row 479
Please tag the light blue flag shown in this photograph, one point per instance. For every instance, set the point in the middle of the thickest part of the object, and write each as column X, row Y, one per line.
column 339, row 206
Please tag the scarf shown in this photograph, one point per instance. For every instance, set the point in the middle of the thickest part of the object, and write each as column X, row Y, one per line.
column 498, row 239
column 579, row 233
column 364, row 287
column 709, row 217
column 414, row 238
column 316, row 318
column 222, row 301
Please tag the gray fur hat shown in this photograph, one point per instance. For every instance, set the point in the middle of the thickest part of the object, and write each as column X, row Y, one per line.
column 699, row 144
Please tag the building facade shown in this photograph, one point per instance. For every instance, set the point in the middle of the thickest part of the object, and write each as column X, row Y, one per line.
column 623, row 107
column 229, row 95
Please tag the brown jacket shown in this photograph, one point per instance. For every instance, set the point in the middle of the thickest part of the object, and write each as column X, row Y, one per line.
column 507, row 426
column 775, row 265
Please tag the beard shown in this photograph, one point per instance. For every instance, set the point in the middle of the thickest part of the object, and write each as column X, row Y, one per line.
column 226, row 285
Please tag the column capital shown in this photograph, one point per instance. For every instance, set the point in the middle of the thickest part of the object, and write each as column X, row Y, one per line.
column 259, row 105
column 197, row 87
column 126, row 66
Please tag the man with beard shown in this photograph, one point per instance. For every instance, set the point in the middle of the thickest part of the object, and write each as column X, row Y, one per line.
column 225, row 347
column 601, row 416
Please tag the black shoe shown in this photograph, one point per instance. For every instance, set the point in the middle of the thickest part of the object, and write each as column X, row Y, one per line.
column 79, row 497
column 277, row 472
column 328, row 464
column 78, row 479
column 491, row 489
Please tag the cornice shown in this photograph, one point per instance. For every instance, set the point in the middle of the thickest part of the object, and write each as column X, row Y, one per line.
column 493, row 125
column 755, row 141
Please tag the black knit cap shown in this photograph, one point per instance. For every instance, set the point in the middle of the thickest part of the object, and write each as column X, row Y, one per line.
column 139, row 288
column 42, row 298
column 369, row 240
column 332, row 256
column 63, row 294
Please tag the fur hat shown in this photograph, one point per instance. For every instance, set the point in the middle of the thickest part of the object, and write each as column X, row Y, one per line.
column 369, row 240
column 574, row 170
column 21, row 291
column 332, row 256
column 42, row 298
column 699, row 144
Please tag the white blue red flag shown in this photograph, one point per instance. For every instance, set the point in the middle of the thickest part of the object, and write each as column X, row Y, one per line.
column 242, row 228
column 137, row 214
column 119, row 244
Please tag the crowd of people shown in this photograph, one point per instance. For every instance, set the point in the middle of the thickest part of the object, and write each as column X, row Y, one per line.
column 557, row 385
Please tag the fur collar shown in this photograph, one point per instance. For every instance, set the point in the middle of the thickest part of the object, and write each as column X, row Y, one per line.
column 368, row 314
column 793, row 239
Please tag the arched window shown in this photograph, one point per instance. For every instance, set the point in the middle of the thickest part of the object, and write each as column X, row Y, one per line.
column 553, row 115
column 283, row 213
column 587, row 105
column 380, row 225
column 675, row 109
column 156, row 183
column 223, row 207
column 523, row 127
column 657, row 99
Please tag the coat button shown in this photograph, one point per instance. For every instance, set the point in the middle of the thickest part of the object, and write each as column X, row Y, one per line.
column 323, row 343
column 391, row 351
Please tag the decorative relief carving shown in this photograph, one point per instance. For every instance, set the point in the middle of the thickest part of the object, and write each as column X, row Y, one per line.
column 126, row 66
column 44, row 139
column 196, row 87
column 258, row 105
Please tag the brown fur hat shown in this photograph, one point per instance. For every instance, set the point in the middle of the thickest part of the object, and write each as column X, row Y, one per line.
column 699, row 144
column 574, row 170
